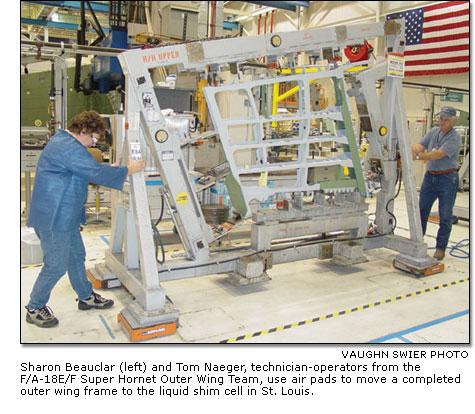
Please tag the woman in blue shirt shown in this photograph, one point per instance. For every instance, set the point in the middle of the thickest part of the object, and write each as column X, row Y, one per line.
column 64, row 170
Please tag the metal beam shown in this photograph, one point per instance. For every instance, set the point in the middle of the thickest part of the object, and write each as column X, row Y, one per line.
column 34, row 31
column 237, row 12
column 75, row 48
column 365, row 7
column 73, row 5
column 57, row 25
column 385, row 11
column 285, row 5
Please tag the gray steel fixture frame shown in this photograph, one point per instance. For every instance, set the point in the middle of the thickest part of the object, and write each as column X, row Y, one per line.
column 131, row 255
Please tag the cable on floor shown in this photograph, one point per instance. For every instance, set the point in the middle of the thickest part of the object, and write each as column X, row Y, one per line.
column 458, row 247
column 156, row 235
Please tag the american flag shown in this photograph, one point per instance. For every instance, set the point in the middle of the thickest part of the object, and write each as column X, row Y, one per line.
column 437, row 38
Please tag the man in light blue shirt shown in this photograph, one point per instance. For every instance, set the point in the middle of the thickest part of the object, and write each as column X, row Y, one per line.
column 440, row 149
column 64, row 170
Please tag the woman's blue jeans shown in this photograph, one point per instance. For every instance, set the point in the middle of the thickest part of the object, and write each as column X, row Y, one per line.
column 63, row 251
column 443, row 187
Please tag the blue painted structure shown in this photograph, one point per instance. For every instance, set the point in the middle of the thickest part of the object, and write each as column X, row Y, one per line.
column 230, row 25
column 285, row 5
column 58, row 25
column 106, row 70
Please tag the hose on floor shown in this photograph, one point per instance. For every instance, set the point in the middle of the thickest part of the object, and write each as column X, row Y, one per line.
column 457, row 250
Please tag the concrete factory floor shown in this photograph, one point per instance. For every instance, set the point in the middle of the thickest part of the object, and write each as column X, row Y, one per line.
column 357, row 304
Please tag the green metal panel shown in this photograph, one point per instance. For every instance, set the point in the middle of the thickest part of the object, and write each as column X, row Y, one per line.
column 34, row 97
column 357, row 171
column 235, row 193
column 338, row 184
column 265, row 95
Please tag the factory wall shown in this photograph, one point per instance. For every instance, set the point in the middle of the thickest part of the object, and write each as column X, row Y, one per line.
column 417, row 99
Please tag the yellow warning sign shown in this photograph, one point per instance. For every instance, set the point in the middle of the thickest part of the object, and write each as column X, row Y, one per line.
column 182, row 198
column 396, row 65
